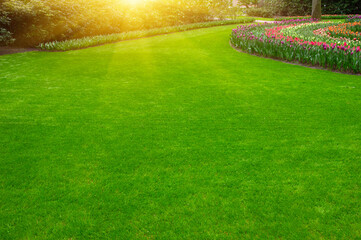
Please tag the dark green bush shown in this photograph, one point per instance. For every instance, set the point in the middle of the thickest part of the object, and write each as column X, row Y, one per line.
column 304, row 7
column 5, row 36
column 289, row 7
column 341, row 6
column 35, row 21
column 259, row 12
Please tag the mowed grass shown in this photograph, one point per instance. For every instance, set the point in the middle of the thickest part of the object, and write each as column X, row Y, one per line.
column 177, row 137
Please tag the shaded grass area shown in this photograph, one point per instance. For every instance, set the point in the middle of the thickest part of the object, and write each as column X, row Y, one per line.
column 92, row 41
column 177, row 137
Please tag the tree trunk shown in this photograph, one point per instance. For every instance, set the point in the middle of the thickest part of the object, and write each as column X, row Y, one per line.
column 316, row 9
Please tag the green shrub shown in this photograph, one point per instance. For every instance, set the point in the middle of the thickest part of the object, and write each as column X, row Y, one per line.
column 259, row 12
column 36, row 21
column 304, row 7
column 341, row 6
column 5, row 35
column 289, row 7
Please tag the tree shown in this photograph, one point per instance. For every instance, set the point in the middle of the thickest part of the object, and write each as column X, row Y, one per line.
column 316, row 9
column 247, row 3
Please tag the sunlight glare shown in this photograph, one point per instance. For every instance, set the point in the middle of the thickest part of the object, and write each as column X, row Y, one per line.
column 134, row 2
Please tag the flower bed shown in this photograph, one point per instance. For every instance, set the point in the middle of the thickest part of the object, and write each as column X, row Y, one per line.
column 350, row 30
column 299, row 41
column 308, row 31
column 319, row 31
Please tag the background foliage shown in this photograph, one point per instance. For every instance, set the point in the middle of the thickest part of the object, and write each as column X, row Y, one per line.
column 303, row 7
column 5, row 35
column 341, row 7
column 31, row 22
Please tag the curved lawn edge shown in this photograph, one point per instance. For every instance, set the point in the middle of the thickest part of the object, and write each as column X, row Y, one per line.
column 293, row 62
column 94, row 41
column 14, row 50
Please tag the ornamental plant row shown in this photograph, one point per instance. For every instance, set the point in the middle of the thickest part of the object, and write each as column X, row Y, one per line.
column 286, row 40
column 356, row 18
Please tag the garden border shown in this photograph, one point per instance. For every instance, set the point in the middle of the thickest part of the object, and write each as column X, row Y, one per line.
column 293, row 63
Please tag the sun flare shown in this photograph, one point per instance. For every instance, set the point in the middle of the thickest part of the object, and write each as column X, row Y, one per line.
column 134, row 2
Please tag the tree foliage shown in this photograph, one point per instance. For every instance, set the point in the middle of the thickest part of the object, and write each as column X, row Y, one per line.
column 341, row 7
column 304, row 7
column 5, row 35
column 247, row 3
column 33, row 21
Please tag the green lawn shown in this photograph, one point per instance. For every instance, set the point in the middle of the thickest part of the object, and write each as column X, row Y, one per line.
column 177, row 137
